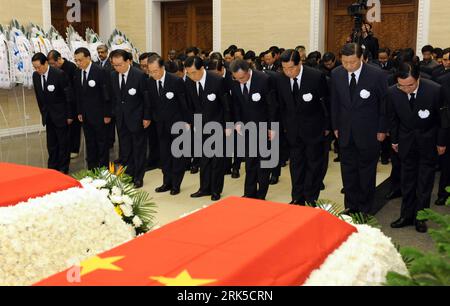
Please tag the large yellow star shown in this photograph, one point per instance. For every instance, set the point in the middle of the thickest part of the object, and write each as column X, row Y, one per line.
column 184, row 279
column 96, row 263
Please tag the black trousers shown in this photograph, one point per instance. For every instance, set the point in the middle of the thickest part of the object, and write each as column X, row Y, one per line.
column 235, row 162
column 396, row 172
column 112, row 133
column 418, row 173
column 256, row 179
column 212, row 172
column 75, row 136
column 386, row 148
column 58, row 147
column 173, row 168
column 284, row 155
column 359, row 170
column 153, row 146
column 306, row 171
column 444, row 182
column 326, row 157
column 133, row 146
column 96, row 145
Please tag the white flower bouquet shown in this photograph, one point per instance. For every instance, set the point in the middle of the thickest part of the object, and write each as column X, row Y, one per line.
column 135, row 207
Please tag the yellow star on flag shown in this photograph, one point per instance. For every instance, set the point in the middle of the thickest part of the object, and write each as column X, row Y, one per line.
column 96, row 263
column 184, row 279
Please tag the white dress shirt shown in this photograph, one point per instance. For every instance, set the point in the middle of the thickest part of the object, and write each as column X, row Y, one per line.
column 46, row 78
column 126, row 77
column 299, row 79
column 357, row 75
column 249, row 83
column 202, row 81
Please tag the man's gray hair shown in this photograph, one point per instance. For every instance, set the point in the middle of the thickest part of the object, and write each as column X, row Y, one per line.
column 239, row 64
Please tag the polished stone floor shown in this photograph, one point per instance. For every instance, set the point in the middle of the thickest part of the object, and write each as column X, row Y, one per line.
column 32, row 151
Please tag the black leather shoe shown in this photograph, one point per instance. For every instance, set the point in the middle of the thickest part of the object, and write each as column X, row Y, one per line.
column 138, row 184
column 215, row 197
column 421, row 227
column 337, row 160
column 440, row 202
column 274, row 180
column 402, row 222
column 235, row 174
column 297, row 202
column 322, row 186
column 349, row 211
column 200, row 194
column 174, row 192
column 228, row 172
column 163, row 188
column 194, row 170
column 343, row 190
column 393, row 194
column 385, row 161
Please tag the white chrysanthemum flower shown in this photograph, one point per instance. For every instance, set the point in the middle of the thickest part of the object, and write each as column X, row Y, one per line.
column 127, row 210
column 137, row 222
column 116, row 199
column 116, row 191
column 99, row 184
column 127, row 200
column 86, row 181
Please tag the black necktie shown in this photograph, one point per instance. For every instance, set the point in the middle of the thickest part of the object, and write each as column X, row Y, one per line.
column 84, row 83
column 44, row 84
column 122, row 88
column 200, row 91
column 161, row 89
column 352, row 86
column 412, row 100
column 245, row 92
column 296, row 90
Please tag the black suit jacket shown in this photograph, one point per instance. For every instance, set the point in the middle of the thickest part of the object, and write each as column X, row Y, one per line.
column 260, row 107
column 171, row 107
column 135, row 107
column 55, row 104
column 214, row 104
column 93, row 100
column 363, row 118
column 422, row 124
column 107, row 67
column 304, row 118
column 444, row 81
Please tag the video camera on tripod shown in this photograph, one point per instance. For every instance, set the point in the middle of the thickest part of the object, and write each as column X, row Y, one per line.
column 357, row 10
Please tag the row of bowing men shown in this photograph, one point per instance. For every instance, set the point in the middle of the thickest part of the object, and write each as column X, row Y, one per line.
column 354, row 106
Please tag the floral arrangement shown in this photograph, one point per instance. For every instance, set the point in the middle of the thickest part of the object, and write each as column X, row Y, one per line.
column 363, row 260
column 427, row 269
column 50, row 234
column 133, row 206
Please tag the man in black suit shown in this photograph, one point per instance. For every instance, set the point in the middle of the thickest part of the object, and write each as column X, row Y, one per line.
column 93, row 108
column 207, row 96
column 358, row 109
column 443, row 69
column 444, row 182
column 104, row 60
column 105, row 63
column 253, row 102
column 329, row 63
column 57, row 61
column 428, row 64
column 131, row 106
column 216, row 65
column 418, row 136
column 384, row 61
column 304, row 109
column 168, row 104
column 153, row 145
column 54, row 97
column 271, row 61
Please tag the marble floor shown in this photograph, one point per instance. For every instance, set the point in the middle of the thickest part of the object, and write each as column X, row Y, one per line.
column 32, row 151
